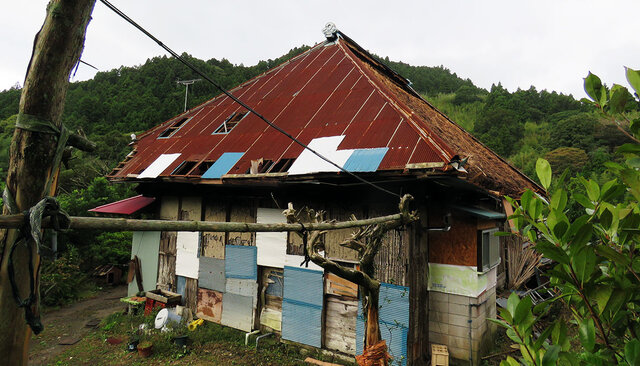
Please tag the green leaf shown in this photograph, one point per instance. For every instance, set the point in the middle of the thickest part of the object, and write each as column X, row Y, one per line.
column 629, row 149
column 582, row 237
column 587, row 334
column 512, row 303
column 501, row 323
column 632, row 352
column 593, row 88
column 584, row 201
column 542, row 338
column 503, row 233
column 606, row 218
column 633, row 77
column 559, row 336
column 559, row 200
column 551, row 356
column 584, row 263
column 510, row 361
column 513, row 336
column 522, row 310
column 593, row 190
column 602, row 295
column 552, row 252
column 619, row 96
column 526, row 198
column 543, row 169
column 612, row 254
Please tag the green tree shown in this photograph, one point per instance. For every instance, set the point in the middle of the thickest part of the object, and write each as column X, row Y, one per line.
column 597, row 275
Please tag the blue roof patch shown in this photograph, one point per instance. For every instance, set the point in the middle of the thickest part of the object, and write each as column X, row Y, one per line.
column 222, row 165
column 365, row 160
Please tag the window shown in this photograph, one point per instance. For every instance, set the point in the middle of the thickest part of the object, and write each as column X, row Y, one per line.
column 231, row 122
column 173, row 128
column 488, row 249
column 184, row 168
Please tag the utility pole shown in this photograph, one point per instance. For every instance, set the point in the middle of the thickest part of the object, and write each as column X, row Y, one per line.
column 186, row 83
column 57, row 48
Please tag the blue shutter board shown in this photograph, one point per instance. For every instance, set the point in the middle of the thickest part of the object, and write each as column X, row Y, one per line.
column 394, row 321
column 302, row 323
column 222, row 166
column 181, row 284
column 241, row 262
column 365, row 160
column 303, row 285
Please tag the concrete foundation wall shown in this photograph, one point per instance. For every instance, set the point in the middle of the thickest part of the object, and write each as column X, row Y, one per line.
column 460, row 323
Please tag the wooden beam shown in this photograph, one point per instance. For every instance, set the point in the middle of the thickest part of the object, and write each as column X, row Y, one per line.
column 56, row 49
column 121, row 224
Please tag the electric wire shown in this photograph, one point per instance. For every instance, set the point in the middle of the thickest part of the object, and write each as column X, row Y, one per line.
column 235, row 99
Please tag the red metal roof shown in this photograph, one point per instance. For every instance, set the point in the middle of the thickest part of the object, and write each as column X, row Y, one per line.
column 126, row 206
column 326, row 91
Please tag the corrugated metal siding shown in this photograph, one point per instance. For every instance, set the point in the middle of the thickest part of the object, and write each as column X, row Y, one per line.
column 365, row 160
column 302, row 323
column 302, row 306
column 211, row 274
column 247, row 288
column 237, row 311
column 222, row 165
column 241, row 262
column 394, row 321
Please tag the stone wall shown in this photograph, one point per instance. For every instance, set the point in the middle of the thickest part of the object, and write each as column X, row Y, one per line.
column 460, row 323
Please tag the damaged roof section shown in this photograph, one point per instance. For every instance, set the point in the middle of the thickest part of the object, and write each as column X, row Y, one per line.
column 337, row 99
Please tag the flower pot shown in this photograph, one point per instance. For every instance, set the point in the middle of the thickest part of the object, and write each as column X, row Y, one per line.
column 181, row 341
column 145, row 349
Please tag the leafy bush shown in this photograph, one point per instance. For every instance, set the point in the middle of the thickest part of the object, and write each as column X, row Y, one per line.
column 61, row 280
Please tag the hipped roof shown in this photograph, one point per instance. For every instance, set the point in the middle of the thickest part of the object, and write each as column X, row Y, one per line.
column 334, row 90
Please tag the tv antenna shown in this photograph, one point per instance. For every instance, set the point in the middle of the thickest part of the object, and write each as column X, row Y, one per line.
column 186, row 83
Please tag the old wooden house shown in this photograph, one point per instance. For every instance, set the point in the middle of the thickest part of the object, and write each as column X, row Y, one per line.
column 219, row 162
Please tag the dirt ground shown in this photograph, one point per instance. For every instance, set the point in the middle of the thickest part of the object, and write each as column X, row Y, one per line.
column 68, row 324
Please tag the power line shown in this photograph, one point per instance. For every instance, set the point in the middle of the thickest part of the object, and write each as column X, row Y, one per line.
column 232, row 97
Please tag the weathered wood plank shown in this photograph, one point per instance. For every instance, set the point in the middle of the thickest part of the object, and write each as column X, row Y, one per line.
column 242, row 212
column 213, row 242
column 340, row 324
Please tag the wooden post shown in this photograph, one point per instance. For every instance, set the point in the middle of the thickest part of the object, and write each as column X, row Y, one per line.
column 57, row 48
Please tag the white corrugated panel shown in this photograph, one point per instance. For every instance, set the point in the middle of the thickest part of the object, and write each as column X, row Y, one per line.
column 272, row 247
column 158, row 166
column 145, row 245
column 187, row 262
column 307, row 162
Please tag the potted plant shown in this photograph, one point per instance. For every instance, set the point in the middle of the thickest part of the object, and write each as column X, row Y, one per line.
column 145, row 349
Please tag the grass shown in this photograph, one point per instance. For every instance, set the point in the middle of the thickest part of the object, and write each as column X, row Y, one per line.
column 209, row 344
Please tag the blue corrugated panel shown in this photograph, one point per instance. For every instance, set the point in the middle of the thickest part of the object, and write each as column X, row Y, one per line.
column 211, row 274
column 365, row 160
column 241, row 262
column 222, row 165
column 303, row 285
column 394, row 304
column 302, row 323
column 181, row 283
column 394, row 322
column 302, row 306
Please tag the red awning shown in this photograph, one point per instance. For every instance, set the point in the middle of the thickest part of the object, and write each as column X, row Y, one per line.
column 126, row 206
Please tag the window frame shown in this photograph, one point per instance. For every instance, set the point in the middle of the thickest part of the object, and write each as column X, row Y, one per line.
column 488, row 250
column 184, row 121
column 227, row 120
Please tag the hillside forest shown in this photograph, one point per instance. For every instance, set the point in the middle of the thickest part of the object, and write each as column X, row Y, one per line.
column 521, row 126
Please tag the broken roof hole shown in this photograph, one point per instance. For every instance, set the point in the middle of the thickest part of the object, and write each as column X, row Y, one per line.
column 282, row 165
column 173, row 128
column 231, row 122
column 184, row 168
column 202, row 168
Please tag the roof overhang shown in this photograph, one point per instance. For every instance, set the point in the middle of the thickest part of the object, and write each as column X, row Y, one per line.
column 126, row 206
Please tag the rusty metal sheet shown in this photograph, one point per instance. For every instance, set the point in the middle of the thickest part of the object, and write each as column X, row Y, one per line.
column 210, row 305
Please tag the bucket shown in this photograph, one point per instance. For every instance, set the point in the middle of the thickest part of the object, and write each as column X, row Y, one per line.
column 165, row 317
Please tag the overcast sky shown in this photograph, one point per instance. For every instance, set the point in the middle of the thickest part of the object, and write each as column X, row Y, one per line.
column 549, row 44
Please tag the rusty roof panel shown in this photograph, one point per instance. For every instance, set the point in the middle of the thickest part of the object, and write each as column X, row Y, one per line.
column 327, row 91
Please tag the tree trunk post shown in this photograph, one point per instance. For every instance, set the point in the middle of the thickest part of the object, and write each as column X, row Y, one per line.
column 57, row 48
